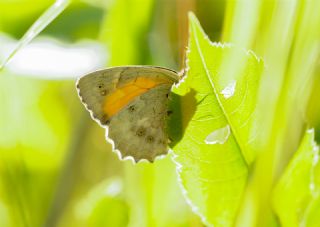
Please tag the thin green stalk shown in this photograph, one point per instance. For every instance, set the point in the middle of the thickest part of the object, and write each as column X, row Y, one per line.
column 41, row 23
column 66, row 180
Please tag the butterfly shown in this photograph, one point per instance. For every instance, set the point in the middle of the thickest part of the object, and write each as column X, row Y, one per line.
column 131, row 103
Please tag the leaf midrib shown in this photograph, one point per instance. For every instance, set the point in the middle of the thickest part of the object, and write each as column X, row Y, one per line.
column 208, row 74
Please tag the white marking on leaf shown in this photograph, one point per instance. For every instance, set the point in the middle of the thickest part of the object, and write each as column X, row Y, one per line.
column 219, row 136
column 229, row 90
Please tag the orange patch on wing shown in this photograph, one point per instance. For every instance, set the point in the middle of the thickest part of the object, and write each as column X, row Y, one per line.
column 122, row 96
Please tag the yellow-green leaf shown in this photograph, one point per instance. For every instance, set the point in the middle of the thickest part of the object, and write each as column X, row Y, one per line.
column 217, row 103
column 296, row 197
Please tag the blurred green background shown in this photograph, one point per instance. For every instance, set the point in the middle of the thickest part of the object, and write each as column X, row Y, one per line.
column 56, row 168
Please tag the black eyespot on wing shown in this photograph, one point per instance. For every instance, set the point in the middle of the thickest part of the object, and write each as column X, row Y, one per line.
column 132, row 108
column 161, row 141
column 141, row 132
column 150, row 139
column 100, row 85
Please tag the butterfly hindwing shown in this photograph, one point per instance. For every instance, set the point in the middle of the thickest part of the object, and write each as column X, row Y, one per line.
column 142, row 134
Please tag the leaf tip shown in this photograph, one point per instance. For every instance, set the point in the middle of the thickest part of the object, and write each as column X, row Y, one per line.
column 193, row 20
column 195, row 27
column 191, row 15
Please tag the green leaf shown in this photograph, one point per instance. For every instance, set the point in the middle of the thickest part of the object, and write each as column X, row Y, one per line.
column 217, row 101
column 296, row 198
column 46, row 18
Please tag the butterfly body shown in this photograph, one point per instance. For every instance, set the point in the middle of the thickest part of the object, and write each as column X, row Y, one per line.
column 132, row 104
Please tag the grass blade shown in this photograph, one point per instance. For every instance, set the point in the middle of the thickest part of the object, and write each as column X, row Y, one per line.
column 46, row 18
column 296, row 197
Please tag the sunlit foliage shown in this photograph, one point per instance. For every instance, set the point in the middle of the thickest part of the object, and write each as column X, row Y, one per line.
column 245, row 125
